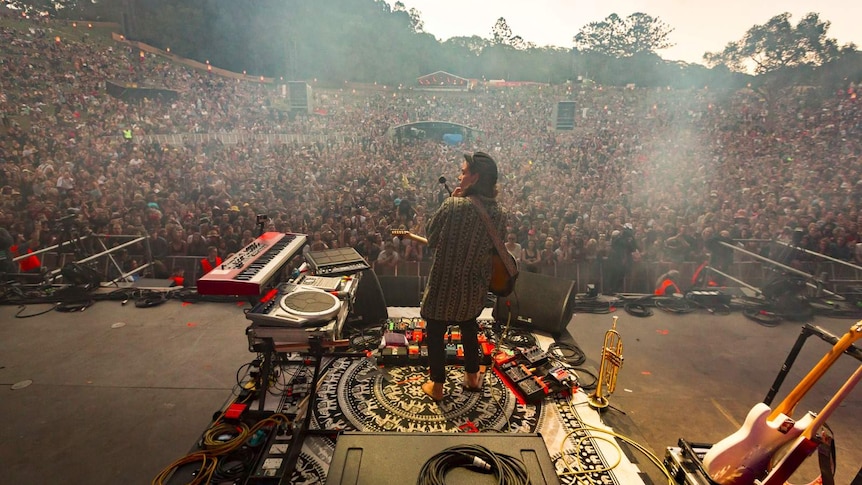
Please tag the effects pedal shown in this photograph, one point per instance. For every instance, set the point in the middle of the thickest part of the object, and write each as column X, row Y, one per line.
column 517, row 373
column 533, row 389
column 413, row 354
column 534, row 355
column 563, row 377
column 451, row 351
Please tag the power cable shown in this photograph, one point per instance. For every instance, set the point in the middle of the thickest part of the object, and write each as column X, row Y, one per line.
column 568, row 353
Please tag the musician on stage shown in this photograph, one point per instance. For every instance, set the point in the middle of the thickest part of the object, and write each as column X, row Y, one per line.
column 461, row 271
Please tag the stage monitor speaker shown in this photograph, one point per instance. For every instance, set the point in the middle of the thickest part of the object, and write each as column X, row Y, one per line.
column 539, row 301
column 367, row 458
column 369, row 303
column 402, row 290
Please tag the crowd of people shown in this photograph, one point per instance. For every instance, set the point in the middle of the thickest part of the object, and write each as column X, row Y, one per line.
column 647, row 174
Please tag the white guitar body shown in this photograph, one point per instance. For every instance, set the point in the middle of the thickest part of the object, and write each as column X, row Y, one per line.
column 748, row 455
column 745, row 456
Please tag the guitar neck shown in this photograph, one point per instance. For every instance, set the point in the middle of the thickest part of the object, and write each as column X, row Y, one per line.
column 789, row 403
column 833, row 404
column 409, row 235
column 808, row 441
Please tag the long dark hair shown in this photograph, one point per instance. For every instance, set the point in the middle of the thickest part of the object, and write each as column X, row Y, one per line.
column 482, row 164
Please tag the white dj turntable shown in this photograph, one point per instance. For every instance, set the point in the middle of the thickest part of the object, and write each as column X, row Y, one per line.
column 298, row 307
column 309, row 305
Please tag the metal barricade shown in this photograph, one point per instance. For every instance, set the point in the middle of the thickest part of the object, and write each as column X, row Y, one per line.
column 92, row 251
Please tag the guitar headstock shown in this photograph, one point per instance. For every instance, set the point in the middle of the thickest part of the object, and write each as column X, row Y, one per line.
column 399, row 232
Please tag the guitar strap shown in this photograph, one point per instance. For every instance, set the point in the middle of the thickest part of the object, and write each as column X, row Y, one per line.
column 498, row 243
column 826, row 456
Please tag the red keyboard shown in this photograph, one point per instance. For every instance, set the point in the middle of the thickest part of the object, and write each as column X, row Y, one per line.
column 251, row 268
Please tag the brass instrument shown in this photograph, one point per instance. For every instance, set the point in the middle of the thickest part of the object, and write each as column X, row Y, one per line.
column 612, row 360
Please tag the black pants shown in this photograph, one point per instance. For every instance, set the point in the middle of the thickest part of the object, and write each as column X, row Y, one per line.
column 437, row 347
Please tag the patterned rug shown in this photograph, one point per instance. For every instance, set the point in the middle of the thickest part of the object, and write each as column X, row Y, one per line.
column 355, row 395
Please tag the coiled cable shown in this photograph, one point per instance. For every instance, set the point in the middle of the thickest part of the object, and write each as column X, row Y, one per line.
column 506, row 469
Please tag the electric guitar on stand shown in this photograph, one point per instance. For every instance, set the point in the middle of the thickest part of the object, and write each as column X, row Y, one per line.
column 772, row 436
column 810, row 439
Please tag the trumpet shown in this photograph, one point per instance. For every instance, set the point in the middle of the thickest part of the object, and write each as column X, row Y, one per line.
column 612, row 360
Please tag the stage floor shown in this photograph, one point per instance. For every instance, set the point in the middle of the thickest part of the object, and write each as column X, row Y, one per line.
column 120, row 392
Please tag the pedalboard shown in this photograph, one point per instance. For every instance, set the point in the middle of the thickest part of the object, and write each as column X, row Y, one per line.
column 533, row 375
column 404, row 343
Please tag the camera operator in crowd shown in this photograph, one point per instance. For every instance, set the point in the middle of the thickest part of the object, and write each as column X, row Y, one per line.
column 620, row 258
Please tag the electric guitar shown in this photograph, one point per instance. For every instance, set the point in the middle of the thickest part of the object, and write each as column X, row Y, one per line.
column 747, row 454
column 501, row 282
column 806, row 443
column 408, row 235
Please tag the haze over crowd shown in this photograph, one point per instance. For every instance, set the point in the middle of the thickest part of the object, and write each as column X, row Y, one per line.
column 671, row 164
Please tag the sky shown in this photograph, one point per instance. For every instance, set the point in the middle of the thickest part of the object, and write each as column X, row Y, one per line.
column 699, row 26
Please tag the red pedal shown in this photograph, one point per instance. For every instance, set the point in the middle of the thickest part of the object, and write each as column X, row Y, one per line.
column 502, row 357
column 487, row 348
column 234, row 411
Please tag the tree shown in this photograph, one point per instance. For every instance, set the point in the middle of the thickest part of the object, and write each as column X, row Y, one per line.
column 474, row 44
column 501, row 34
column 781, row 55
column 777, row 44
column 614, row 36
column 416, row 21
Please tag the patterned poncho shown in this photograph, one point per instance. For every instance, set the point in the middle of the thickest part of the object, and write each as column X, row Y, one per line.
column 461, row 270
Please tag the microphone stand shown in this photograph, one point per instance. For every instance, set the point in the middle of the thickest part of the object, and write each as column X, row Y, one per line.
column 261, row 223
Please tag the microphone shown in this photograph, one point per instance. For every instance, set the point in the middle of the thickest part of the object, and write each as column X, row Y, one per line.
column 442, row 180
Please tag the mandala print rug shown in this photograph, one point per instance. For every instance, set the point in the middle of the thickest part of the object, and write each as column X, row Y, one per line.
column 355, row 395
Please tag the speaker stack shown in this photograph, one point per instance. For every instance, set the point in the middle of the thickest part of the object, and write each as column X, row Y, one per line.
column 564, row 115
column 299, row 96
